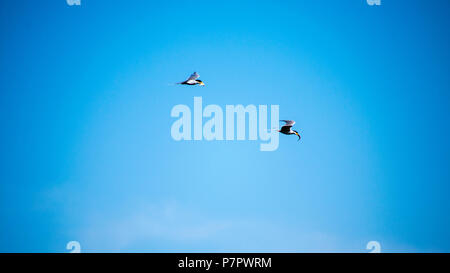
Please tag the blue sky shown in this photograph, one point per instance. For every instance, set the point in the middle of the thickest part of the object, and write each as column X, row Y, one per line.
column 87, row 153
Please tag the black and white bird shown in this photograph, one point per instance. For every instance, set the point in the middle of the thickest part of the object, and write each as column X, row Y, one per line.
column 193, row 80
column 287, row 128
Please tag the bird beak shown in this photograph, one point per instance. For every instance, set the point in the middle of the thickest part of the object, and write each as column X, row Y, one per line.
column 202, row 84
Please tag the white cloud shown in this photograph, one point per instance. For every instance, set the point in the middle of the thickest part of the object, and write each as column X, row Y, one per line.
column 171, row 227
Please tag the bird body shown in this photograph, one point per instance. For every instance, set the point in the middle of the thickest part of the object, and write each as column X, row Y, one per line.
column 287, row 128
column 193, row 80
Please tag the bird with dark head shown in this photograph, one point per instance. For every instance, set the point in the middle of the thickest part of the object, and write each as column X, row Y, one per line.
column 193, row 80
column 287, row 128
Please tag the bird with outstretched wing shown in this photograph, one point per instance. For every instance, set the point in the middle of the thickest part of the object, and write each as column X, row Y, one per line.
column 193, row 80
column 287, row 128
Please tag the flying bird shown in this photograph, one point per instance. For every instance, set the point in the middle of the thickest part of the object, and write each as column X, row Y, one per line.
column 193, row 80
column 287, row 128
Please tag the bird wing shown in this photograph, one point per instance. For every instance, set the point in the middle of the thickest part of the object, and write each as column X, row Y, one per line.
column 193, row 77
column 289, row 123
